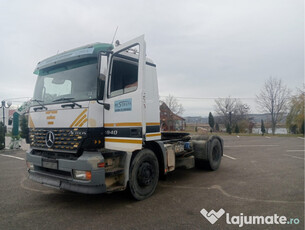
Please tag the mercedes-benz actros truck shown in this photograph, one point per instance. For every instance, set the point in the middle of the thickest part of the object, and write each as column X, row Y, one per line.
column 95, row 124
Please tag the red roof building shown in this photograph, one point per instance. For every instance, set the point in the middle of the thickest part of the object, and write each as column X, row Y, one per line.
column 170, row 121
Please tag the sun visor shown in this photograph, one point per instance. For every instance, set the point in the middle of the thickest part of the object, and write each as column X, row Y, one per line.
column 78, row 53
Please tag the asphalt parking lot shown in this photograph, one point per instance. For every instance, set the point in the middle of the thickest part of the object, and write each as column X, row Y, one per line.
column 258, row 176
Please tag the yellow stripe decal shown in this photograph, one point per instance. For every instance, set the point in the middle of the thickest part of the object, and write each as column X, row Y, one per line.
column 31, row 123
column 50, row 123
column 153, row 134
column 51, row 112
column 123, row 141
column 153, row 123
column 80, row 120
column 50, row 117
column 84, row 121
column 79, row 116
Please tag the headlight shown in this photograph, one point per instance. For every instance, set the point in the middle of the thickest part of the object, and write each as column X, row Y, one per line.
column 82, row 175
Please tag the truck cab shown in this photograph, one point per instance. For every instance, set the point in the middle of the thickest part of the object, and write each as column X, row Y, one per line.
column 95, row 123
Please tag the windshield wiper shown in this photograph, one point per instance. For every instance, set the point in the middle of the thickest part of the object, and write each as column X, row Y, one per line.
column 40, row 102
column 73, row 104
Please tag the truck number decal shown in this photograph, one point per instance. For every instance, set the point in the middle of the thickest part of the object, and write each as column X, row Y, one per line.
column 123, row 105
column 135, row 132
column 111, row 132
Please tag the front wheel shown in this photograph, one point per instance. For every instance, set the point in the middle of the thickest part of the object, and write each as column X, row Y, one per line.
column 144, row 174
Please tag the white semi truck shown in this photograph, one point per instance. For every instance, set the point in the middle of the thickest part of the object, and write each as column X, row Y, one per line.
column 95, row 124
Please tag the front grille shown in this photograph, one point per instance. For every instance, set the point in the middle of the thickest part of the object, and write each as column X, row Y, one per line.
column 55, row 155
column 54, row 172
column 64, row 139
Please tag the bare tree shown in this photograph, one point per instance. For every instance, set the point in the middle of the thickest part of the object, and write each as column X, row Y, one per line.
column 231, row 110
column 174, row 105
column 274, row 99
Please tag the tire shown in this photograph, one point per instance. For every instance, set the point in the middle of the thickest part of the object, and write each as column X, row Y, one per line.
column 143, row 175
column 214, row 157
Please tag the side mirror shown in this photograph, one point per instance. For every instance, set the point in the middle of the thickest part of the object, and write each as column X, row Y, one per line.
column 103, row 65
column 102, row 80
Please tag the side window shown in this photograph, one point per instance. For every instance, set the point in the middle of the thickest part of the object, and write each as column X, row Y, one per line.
column 124, row 77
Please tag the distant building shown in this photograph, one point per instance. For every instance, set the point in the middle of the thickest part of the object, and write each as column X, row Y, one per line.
column 170, row 121
column 11, row 112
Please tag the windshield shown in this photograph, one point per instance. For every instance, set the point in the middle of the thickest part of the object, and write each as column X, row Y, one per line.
column 76, row 81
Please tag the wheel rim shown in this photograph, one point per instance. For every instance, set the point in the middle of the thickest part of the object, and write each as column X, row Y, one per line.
column 216, row 154
column 146, row 174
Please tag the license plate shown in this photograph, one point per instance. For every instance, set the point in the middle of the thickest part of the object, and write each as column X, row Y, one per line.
column 49, row 164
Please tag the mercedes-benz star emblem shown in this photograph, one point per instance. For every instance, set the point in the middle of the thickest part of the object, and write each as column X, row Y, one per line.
column 50, row 139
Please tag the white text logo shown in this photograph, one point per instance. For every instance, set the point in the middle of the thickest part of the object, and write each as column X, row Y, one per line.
column 242, row 220
column 212, row 216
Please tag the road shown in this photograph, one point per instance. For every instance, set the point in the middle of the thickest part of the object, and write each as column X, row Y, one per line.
column 258, row 176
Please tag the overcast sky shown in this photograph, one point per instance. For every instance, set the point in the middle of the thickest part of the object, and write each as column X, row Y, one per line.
column 203, row 49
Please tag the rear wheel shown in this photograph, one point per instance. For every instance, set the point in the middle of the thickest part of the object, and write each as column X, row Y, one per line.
column 214, row 157
column 144, row 174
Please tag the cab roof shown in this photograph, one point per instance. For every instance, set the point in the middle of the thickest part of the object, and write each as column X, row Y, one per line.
column 91, row 50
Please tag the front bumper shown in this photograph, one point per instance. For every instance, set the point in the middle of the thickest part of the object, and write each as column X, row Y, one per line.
column 62, row 176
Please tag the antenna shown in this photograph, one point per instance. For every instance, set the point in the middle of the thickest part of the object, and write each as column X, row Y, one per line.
column 116, row 30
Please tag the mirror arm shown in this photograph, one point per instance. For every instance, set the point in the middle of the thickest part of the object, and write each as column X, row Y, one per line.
column 106, row 105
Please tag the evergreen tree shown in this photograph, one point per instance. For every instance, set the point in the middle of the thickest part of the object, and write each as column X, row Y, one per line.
column 24, row 127
column 211, row 121
column 293, row 129
column 263, row 127
column 236, row 129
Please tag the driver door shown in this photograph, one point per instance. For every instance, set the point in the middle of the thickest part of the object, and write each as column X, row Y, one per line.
column 124, row 122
